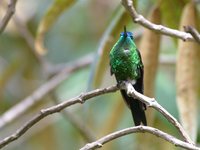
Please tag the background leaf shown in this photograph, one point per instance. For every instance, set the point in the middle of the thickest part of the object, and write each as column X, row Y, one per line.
column 149, row 49
column 52, row 14
column 188, row 71
column 172, row 9
column 90, row 26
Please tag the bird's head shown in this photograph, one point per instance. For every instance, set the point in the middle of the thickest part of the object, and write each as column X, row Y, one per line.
column 126, row 33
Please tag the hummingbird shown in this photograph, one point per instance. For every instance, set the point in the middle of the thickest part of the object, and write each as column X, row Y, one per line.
column 126, row 64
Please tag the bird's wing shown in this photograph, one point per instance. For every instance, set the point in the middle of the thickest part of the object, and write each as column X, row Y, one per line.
column 111, row 72
column 140, row 58
column 111, row 59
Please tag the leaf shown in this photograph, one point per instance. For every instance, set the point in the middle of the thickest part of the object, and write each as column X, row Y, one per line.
column 187, row 75
column 52, row 14
column 149, row 48
column 171, row 12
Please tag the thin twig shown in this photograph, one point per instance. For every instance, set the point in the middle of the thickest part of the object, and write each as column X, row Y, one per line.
column 10, row 11
column 193, row 32
column 137, row 18
column 50, row 70
column 36, row 96
column 151, row 102
column 54, row 109
column 86, row 96
column 139, row 129
column 37, row 130
column 82, row 128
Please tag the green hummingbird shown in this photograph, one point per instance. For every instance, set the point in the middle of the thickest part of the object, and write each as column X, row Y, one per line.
column 126, row 64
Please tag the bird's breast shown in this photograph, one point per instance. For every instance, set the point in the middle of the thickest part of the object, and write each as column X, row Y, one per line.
column 125, row 69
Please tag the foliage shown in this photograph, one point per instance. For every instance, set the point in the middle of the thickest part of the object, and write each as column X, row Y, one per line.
column 67, row 30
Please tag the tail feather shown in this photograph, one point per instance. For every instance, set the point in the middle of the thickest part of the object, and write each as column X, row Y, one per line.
column 137, row 109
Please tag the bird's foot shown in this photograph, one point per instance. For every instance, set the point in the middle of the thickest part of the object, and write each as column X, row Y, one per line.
column 121, row 84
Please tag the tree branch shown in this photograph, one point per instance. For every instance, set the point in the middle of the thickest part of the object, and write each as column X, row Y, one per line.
column 54, row 109
column 138, row 129
column 10, row 11
column 50, row 70
column 193, row 32
column 36, row 96
column 151, row 102
column 128, row 4
column 86, row 96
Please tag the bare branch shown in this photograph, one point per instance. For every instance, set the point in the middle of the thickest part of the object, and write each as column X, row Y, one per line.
column 138, row 129
column 36, row 96
column 54, row 109
column 193, row 32
column 151, row 102
column 76, row 122
column 10, row 11
column 85, row 96
column 128, row 4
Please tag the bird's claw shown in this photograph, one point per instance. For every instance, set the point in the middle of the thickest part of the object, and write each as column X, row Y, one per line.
column 121, row 84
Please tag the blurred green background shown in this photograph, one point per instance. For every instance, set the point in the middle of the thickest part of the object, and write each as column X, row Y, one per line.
column 76, row 32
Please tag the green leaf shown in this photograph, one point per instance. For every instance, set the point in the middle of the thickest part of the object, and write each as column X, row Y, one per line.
column 171, row 12
column 52, row 14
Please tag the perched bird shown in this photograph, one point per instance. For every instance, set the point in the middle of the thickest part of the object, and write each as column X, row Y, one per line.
column 126, row 64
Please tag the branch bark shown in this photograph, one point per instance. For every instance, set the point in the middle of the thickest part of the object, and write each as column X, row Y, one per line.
column 193, row 32
column 54, row 109
column 86, row 96
column 151, row 102
column 9, row 13
column 36, row 96
column 139, row 129
column 137, row 18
